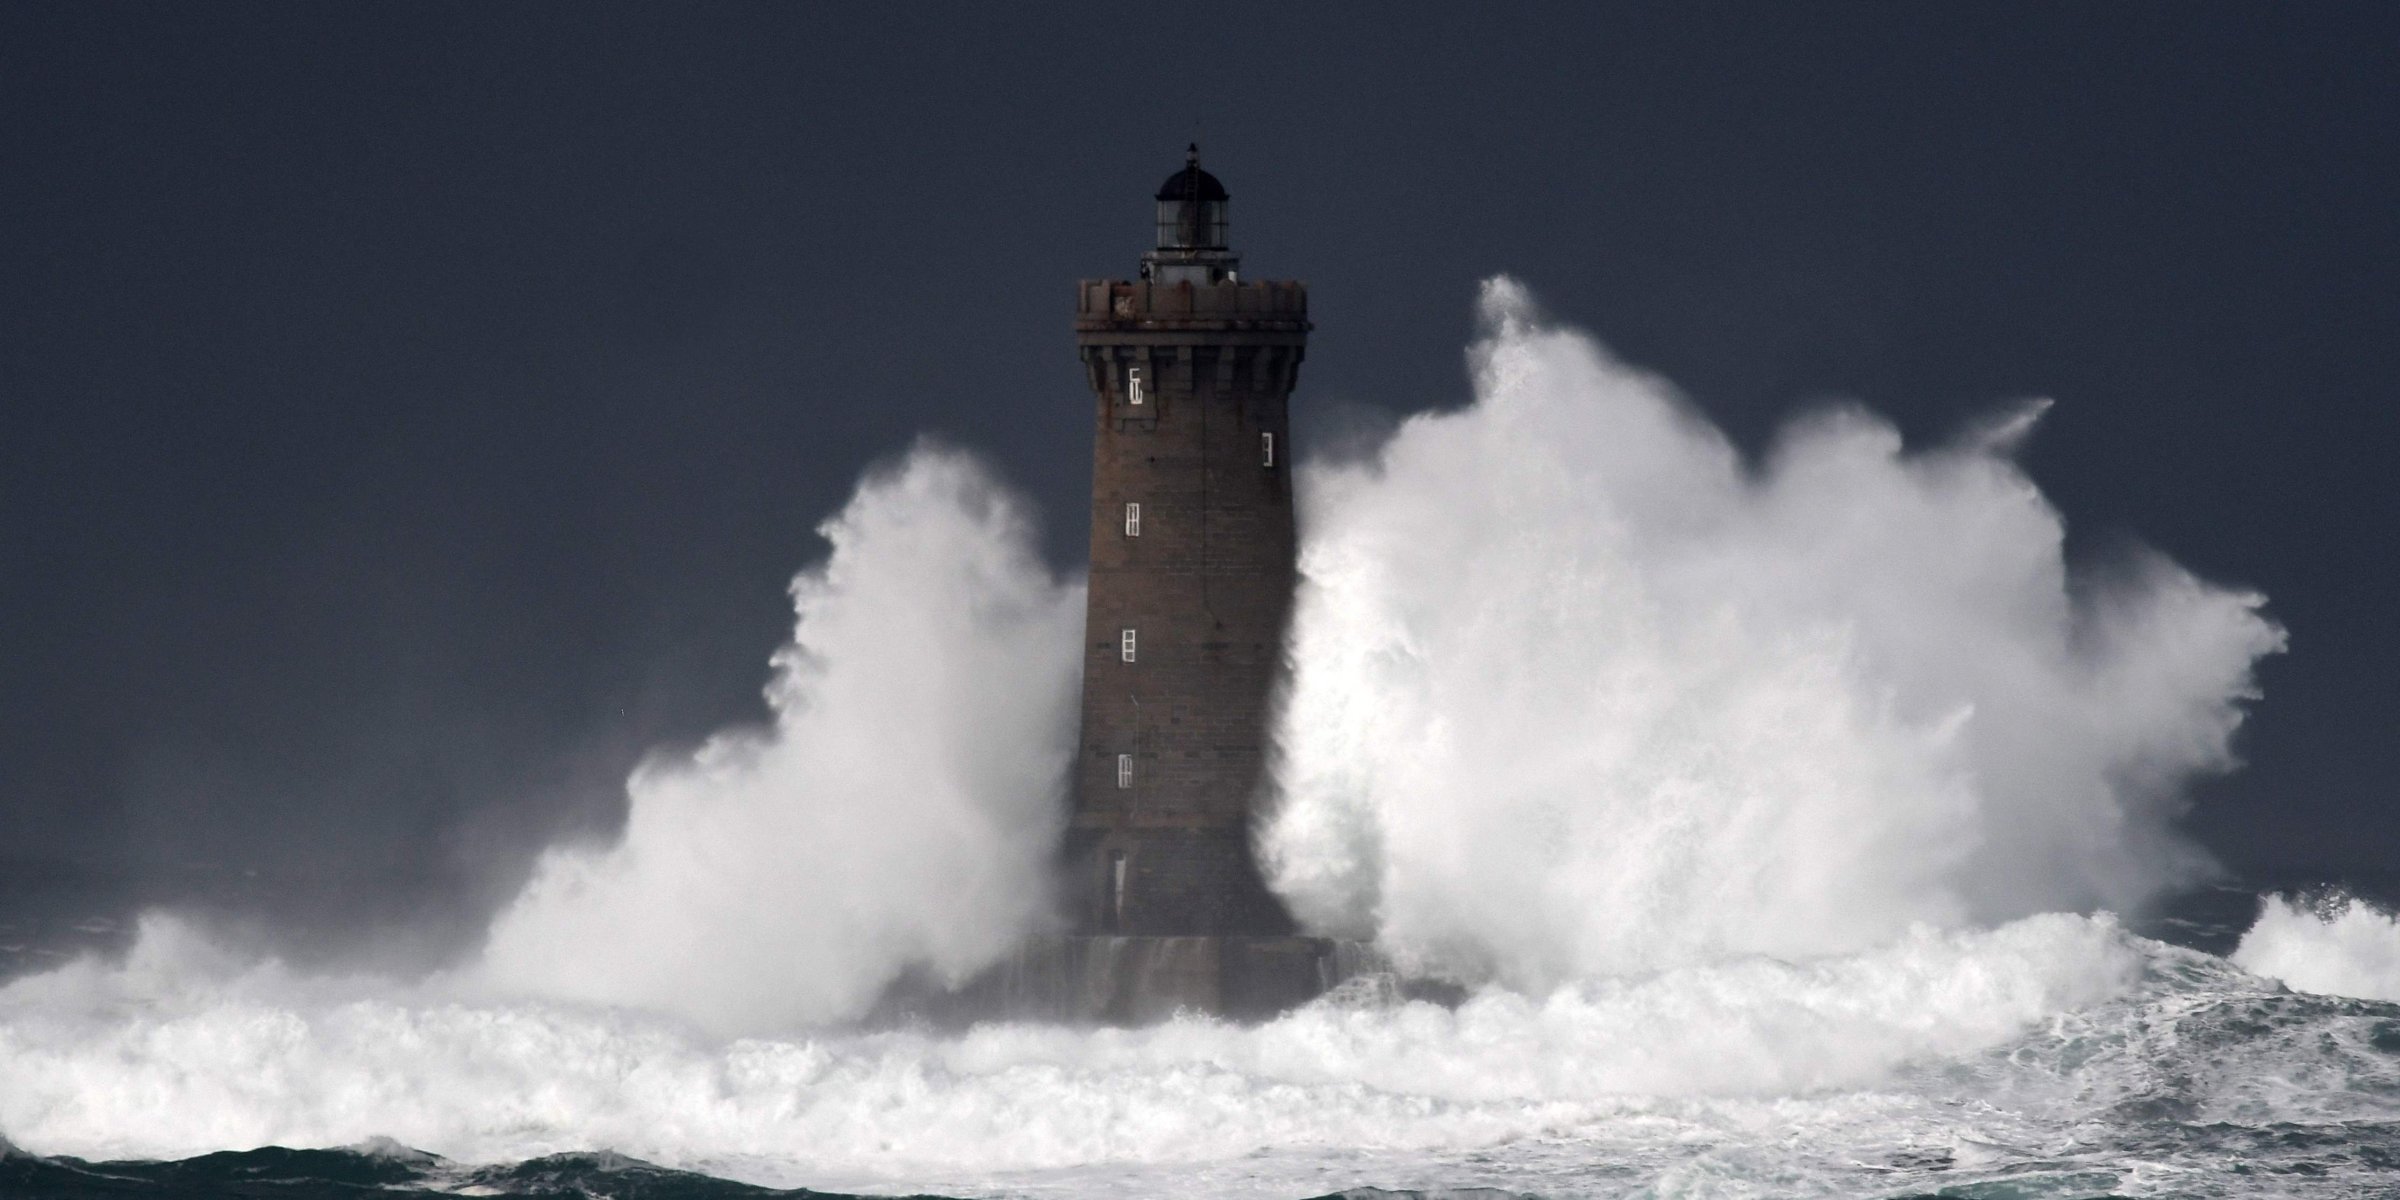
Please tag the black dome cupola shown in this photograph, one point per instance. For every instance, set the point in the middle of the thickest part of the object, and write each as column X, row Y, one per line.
column 1191, row 183
column 1191, row 208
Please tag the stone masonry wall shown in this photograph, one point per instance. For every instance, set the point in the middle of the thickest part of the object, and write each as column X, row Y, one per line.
column 1206, row 587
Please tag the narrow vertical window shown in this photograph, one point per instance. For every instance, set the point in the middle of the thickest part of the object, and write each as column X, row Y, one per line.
column 1133, row 520
column 1125, row 645
column 1116, row 887
column 1133, row 385
column 1124, row 770
column 1266, row 448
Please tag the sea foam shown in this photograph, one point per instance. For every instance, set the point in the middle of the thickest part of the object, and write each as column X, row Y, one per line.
column 177, row 1052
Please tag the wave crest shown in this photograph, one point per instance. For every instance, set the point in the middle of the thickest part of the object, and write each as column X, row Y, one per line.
column 1578, row 692
column 2338, row 945
column 901, row 810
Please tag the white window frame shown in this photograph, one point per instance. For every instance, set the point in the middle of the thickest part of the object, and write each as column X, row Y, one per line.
column 1266, row 447
column 1133, row 519
column 1133, row 386
column 1125, row 645
column 1124, row 771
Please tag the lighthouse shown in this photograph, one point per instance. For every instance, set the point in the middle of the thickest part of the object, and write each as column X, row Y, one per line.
column 1191, row 370
column 1194, row 558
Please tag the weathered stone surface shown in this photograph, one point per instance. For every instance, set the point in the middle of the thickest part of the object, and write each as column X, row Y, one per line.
column 1162, row 847
column 1191, row 374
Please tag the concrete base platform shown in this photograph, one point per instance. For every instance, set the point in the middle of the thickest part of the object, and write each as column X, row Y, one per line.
column 1099, row 980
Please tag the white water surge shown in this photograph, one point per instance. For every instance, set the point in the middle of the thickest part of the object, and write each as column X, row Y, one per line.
column 1731, row 788
column 900, row 812
column 178, row 1052
column 1580, row 692
column 2337, row 945
column 2010, row 1051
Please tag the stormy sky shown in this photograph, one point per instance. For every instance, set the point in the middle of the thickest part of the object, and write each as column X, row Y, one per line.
column 409, row 415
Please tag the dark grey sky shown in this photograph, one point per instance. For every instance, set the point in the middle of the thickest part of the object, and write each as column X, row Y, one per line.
column 410, row 413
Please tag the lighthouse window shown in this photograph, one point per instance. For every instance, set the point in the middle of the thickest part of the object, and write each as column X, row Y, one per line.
column 1266, row 448
column 1124, row 770
column 1125, row 645
column 1116, row 874
column 1133, row 385
column 1133, row 520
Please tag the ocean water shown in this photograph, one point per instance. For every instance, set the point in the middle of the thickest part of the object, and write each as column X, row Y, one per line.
column 2057, row 1055
column 1769, row 812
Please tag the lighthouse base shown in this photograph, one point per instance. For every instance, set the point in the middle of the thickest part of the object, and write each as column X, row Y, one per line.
column 1104, row 980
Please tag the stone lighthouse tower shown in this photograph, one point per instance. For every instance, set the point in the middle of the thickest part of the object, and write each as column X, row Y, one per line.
column 1193, row 565
column 1191, row 370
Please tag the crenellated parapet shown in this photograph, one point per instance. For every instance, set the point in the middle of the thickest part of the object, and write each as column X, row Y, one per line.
column 1184, row 339
column 1118, row 306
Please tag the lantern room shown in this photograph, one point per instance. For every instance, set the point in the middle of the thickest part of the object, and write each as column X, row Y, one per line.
column 1191, row 208
column 1191, row 229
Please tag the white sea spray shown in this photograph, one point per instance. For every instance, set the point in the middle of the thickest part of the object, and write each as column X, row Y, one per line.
column 2338, row 945
column 899, row 813
column 1730, row 786
column 1580, row 692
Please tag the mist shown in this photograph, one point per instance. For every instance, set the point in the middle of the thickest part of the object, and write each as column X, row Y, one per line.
column 900, row 812
column 1578, row 691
